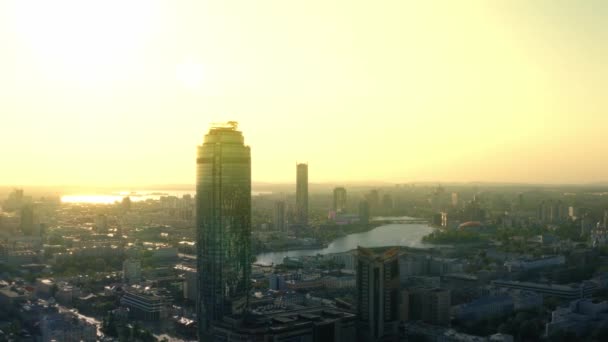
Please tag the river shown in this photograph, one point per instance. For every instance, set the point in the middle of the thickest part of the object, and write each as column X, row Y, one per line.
column 395, row 234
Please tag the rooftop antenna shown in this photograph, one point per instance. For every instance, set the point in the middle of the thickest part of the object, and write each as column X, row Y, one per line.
column 232, row 125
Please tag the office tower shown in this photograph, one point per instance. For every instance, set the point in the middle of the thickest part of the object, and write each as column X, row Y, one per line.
column 126, row 203
column 543, row 212
column 190, row 284
column 373, row 201
column 279, row 216
column 571, row 212
column 378, row 303
column 436, row 306
column 387, row 203
column 28, row 227
column 131, row 271
column 520, row 200
column 454, row 199
column 339, row 200
column 561, row 213
column 302, row 194
column 364, row 212
column 223, row 224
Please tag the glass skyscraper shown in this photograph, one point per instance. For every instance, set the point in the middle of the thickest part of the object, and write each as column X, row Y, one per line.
column 223, row 223
column 302, row 194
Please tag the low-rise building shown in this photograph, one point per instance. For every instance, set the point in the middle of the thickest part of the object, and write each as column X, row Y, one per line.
column 485, row 307
column 571, row 291
column 67, row 327
column 531, row 264
column 276, row 282
column 341, row 282
column 9, row 297
column 579, row 317
column 45, row 288
column 419, row 331
column 312, row 324
column 190, row 284
column 66, row 293
column 145, row 304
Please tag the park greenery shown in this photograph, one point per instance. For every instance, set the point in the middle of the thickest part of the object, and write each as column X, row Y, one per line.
column 454, row 237
column 114, row 327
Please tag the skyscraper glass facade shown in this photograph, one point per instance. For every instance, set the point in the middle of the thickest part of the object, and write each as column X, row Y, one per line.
column 223, row 222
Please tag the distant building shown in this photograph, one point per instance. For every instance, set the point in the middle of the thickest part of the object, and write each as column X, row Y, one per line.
column 454, row 199
column 364, row 212
column 302, row 194
column 339, row 200
column 346, row 259
column 378, row 293
column 66, row 327
column 28, row 226
column 341, row 282
column 279, row 216
column 131, row 271
column 436, row 304
column 101, row 223
column 66, row 293
column 126, row 203
column 373, row 200
column 571, row 212
column 190, row 284
column 484, row 308
column 277, row 282
column 45, row 288
column 310, row 324
column 387, row 203
column 420, row 331
column 165, row 254
column 580, row 317
column 530, row 264
column 444, row 220
column 570, row 291
column 9, row 297
column 145, row 305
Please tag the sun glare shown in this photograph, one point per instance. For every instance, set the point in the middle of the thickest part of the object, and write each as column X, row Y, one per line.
column 91, row 199
column 190, row 74
column 82, row 40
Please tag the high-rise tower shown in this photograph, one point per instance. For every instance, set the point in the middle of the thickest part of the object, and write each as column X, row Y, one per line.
column 279, row 216
column 339, row 200
column 302, row 194
column 378, row 301
column 223, row 223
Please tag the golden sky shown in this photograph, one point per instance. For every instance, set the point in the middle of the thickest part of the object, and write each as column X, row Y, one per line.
column 121, row 92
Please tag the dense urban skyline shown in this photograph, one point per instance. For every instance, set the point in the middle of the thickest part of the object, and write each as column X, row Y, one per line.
column 407, row 91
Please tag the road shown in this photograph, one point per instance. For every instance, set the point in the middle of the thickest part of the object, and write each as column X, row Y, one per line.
column 88, row 319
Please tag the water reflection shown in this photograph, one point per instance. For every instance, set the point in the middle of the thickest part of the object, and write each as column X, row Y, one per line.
column 397, row 234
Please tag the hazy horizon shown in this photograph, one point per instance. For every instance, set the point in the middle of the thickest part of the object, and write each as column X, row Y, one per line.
column 260, row 186
column 120, row 94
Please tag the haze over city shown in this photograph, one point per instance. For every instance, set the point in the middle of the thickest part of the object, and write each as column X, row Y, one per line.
column 120, row 93
column 303, row 171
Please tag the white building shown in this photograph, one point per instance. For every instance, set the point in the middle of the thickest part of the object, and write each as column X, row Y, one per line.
column 66, row 327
